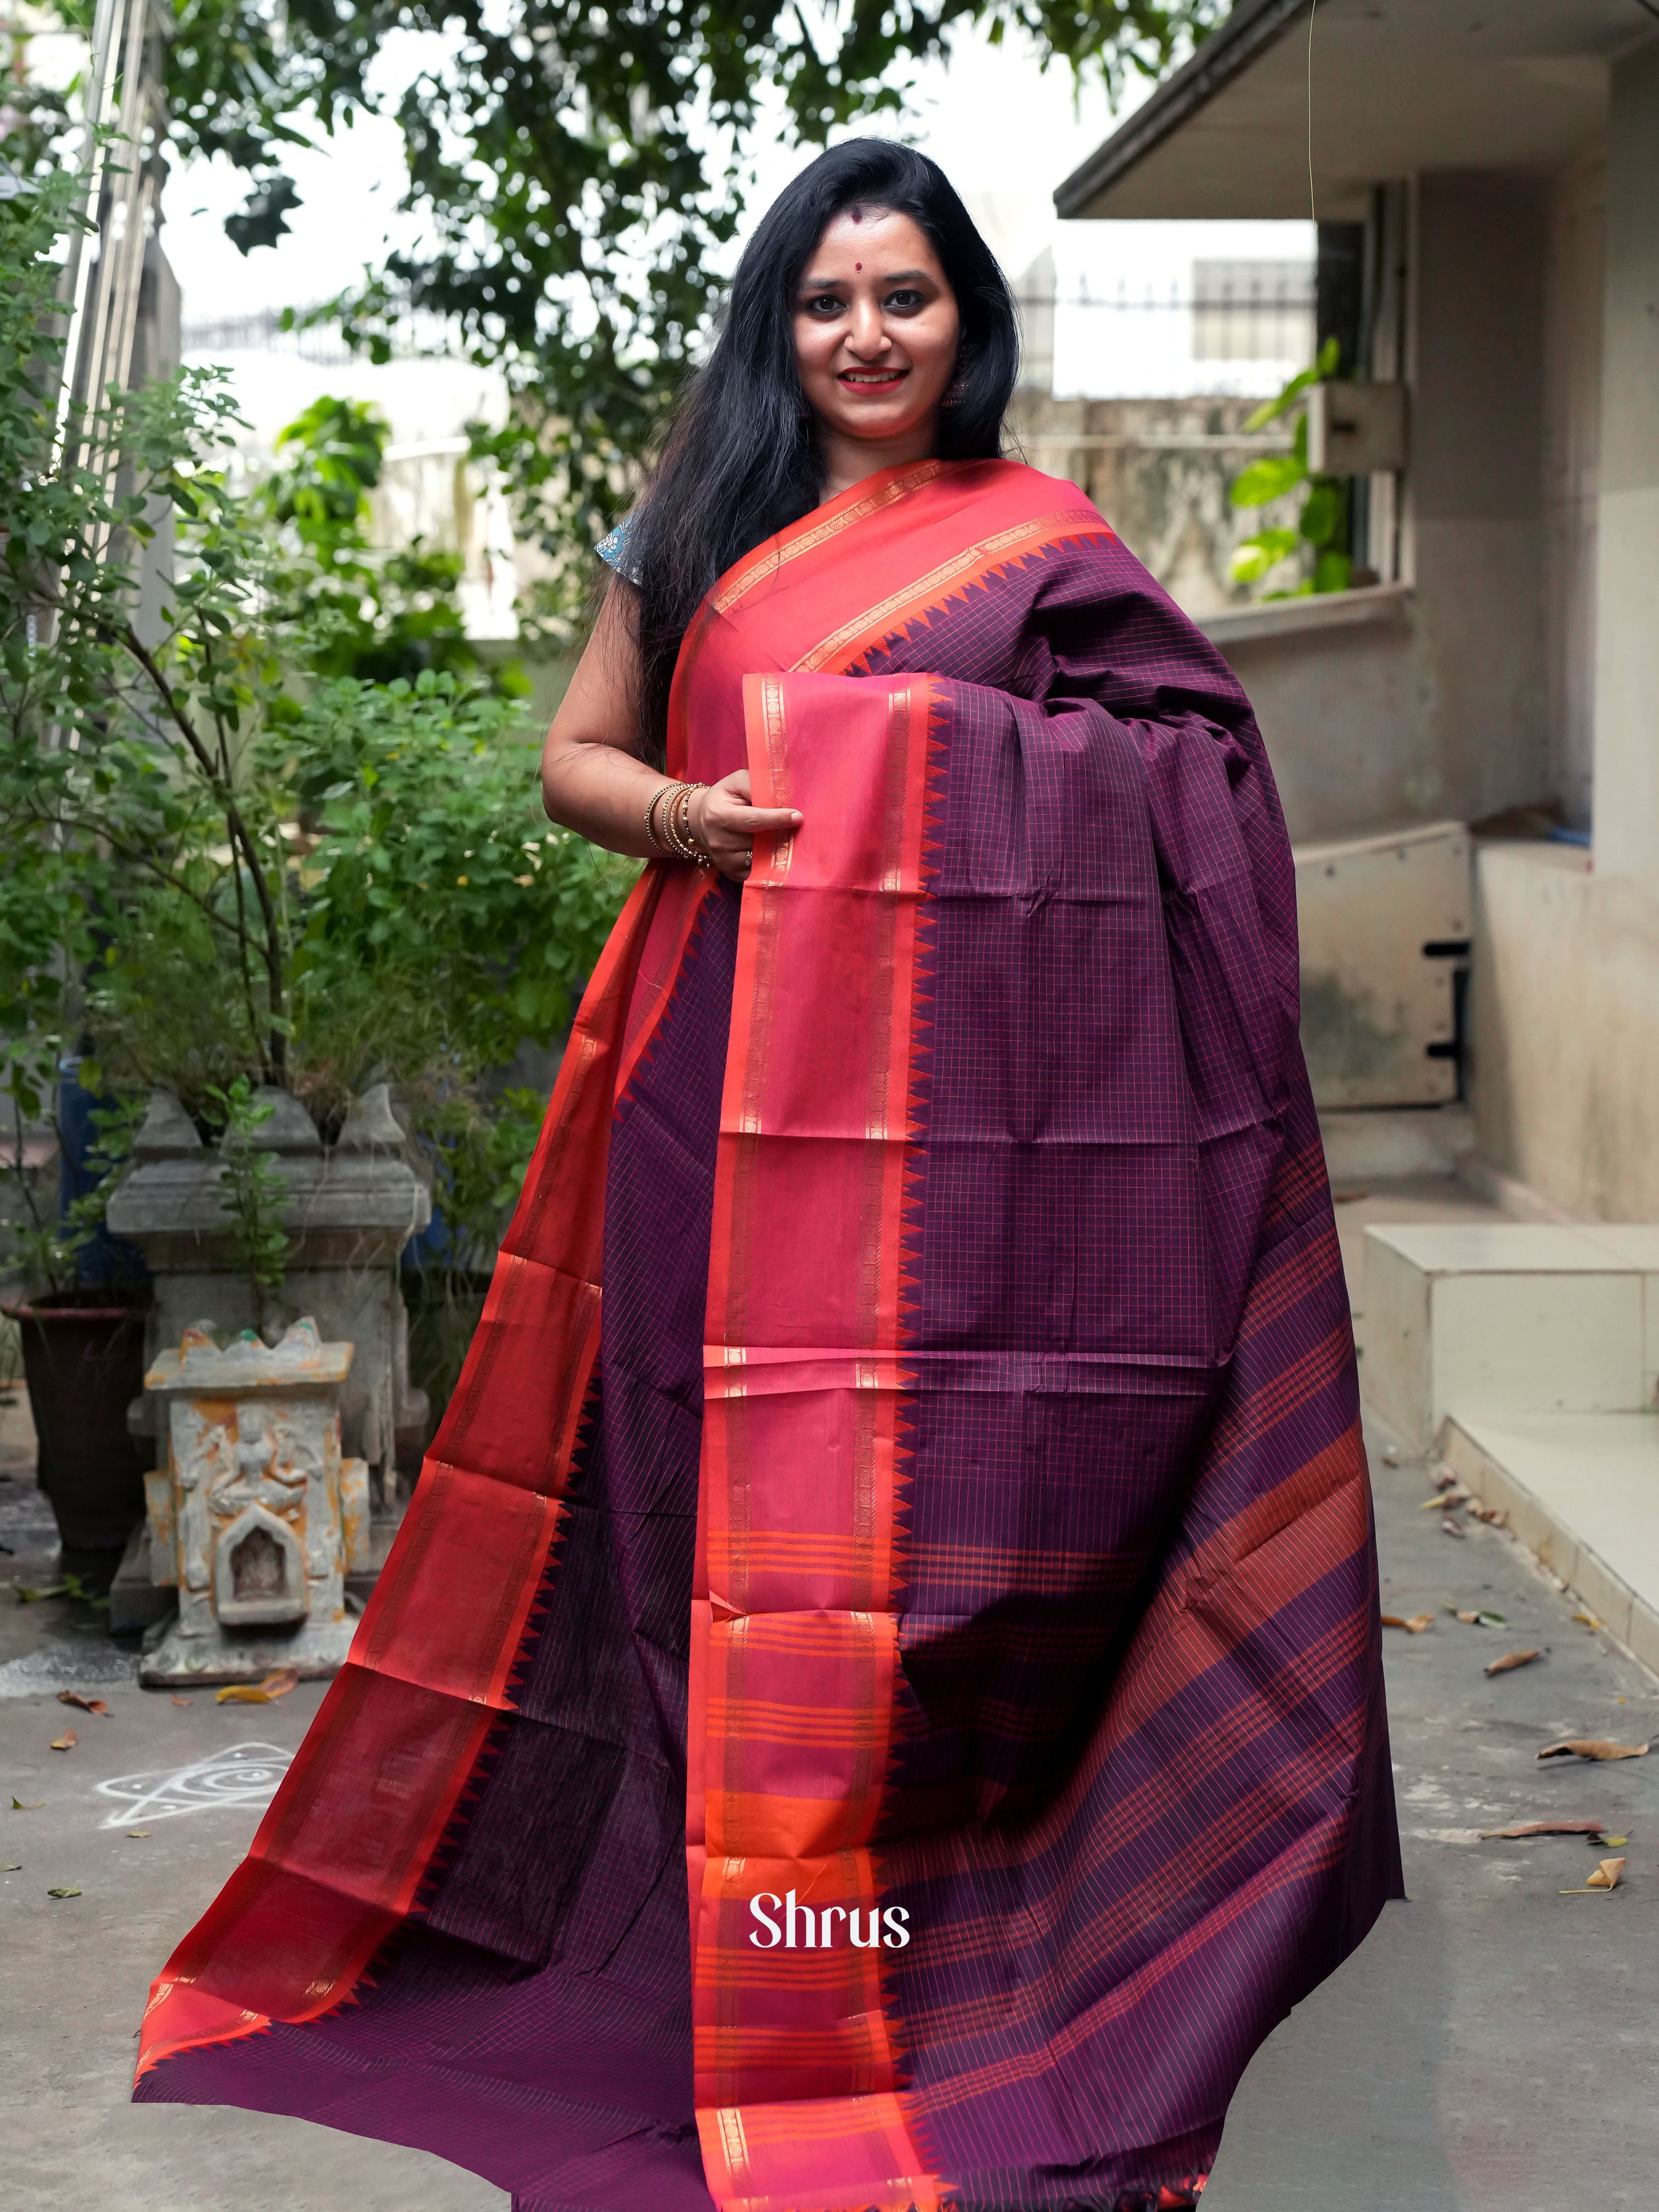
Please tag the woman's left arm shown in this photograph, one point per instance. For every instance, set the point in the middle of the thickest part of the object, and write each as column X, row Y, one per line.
column 593, row 780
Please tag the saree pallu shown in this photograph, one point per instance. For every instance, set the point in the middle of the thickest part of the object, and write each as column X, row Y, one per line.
column 906, row 1491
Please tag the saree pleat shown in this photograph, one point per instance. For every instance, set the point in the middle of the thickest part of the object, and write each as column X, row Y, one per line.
column 906, row 1493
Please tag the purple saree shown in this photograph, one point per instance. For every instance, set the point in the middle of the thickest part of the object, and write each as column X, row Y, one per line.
column 906, row 1489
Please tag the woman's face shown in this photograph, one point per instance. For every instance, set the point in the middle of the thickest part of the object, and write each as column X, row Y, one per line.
column 876, row 327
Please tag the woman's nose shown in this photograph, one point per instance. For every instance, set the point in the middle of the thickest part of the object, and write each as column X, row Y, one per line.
column 868, row 334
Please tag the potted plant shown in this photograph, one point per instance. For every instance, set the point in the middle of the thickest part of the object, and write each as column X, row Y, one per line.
column 82, row 1340
column 270, row 880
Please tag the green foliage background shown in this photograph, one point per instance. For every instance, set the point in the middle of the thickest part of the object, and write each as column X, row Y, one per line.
column 1320, row 532
column 233, row 856
column 579, row 168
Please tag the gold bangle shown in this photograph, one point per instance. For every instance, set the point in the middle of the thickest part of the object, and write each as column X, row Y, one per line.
column 672, row 841
column 651, row 836
column 676, row 832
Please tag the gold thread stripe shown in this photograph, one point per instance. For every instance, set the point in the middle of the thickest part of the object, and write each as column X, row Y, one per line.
column 961, row 567
column 733, row 2140
column 756, row 569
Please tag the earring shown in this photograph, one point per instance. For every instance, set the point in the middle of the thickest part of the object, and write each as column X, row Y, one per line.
column 956, row 391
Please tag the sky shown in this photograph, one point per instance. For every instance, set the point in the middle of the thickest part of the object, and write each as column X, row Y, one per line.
column 350, row 186
column 1006, row 131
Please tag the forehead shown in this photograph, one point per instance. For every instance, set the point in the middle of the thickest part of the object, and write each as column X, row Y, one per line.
column 878, row 237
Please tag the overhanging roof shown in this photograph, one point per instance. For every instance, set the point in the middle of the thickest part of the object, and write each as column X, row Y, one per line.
column 1398, row 87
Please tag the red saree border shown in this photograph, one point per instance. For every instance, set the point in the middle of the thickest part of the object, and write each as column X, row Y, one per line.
column 822, row 527
column 795, row 1669
column 337, row 1863
column 844, row 647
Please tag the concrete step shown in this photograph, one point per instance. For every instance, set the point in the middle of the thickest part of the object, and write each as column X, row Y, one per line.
column 1509, row 1318
column 1363, row 1145
column 1582, row 1491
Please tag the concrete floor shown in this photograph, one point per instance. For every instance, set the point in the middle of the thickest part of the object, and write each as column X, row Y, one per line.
column 1492, row 2048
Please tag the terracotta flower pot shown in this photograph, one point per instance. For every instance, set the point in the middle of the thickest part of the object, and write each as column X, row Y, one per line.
column 84, row 1364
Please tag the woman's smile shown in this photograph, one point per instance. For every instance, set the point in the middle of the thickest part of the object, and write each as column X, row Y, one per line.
column 877, row 334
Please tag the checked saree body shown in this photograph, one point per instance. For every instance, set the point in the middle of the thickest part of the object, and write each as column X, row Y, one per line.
column 909, row 1470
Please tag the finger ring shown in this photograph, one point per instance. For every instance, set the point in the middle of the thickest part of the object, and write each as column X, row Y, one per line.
column 748, row 862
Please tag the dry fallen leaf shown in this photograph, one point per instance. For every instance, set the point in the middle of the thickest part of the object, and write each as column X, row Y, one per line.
column 15, row 1868
column 181, row 1701
column 277, row 1685
column 69, row 1889
column 18, row 1806
column 1510, row 1661
column 1415, row 1624
column 67, row 1741
column 86, row 1704
column 1390, row 1457
column 1445, row 1479
column 1490, row 1514
column 1590, row 1619
column 1443, row 1499
column 1593, row 1829
column 1478, row 1619
column 139, row 1835
column 1607, row 1874
column 1451, row 1528
column 1583, row 1746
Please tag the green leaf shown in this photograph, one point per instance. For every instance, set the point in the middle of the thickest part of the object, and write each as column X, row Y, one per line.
column 1323, row 512
column 1334, row 572
column 1256, row 556
column 1268, row 479
column 1271, row 409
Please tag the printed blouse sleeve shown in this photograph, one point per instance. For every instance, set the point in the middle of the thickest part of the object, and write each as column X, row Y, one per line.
column 613, row 549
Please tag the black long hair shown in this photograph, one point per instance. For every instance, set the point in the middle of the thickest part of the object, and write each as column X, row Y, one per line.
column 741, row 460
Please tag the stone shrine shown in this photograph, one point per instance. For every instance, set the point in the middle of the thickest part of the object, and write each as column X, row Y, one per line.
column 257, row 1518
column 351, row 1207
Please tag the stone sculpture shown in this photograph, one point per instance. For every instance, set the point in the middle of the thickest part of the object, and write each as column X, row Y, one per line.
column 352, row 1208
column 257, row 1518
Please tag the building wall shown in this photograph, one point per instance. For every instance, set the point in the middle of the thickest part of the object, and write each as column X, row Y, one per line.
column 1565, row 974
column 1626, row 741
column 1341, row 715
column 1474, row 493
column 1441, row 710
column 1574, row 277
column 1564, row 1069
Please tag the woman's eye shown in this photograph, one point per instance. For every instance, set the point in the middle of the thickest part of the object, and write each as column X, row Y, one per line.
column 905, row 303
column 825, row 305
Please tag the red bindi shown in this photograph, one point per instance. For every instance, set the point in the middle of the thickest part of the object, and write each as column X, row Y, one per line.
column 858, row 264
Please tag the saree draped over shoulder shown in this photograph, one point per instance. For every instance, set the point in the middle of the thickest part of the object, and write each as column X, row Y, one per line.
column 877, row 1701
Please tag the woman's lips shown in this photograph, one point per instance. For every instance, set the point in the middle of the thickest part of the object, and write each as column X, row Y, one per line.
column 872, row 380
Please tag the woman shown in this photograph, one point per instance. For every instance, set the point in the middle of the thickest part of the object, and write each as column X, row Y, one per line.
column 951, row 1553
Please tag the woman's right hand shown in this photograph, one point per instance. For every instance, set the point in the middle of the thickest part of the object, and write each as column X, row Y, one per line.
column 726, row 823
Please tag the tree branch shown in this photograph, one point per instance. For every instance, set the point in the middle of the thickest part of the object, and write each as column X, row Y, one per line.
column 124, row 635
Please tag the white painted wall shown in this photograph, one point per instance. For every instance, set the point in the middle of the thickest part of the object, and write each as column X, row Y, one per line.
column 1565, row 1019
column 1341, row 712
column 1474, row 494
column 1574, row 280
column 1565, row 989
column 1627, row 554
